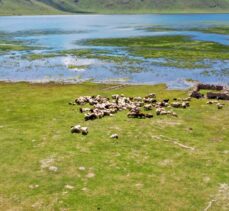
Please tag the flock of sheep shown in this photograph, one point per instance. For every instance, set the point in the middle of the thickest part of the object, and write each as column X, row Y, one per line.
column 101, row 107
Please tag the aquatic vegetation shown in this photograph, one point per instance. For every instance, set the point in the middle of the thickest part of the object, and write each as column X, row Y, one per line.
column 7, row 43
column 180, row 51
column 103, row 55
column 12, row 47
column 46, row 32
column 41, row 56
column 214, row 29
column 71, row 66
column 221, row 29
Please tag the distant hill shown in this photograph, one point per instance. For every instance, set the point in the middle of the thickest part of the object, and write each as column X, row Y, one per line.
column 33, row 7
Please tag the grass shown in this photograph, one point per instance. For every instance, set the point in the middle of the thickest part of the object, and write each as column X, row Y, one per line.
column 34, row 7
column 143, row 170
column 180, row 51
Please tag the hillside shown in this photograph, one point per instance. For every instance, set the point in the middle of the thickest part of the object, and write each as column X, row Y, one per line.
column 28, row 7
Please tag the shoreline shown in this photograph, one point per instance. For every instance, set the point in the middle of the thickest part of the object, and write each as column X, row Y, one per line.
column 147, row 13
column 110, row 85
column 121, row 84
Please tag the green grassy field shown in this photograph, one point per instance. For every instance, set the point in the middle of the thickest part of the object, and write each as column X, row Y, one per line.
column 34, row 7
column 145, row 169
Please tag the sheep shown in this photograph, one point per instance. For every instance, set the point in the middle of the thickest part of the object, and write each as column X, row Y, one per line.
column 115, row 97
column 219, row 106
column 159, row 110
column 183, row 105
column 80, row 101
column 150, row 100
column 209, row 102
column 83, row 110
column 163, row 112
column 114, row 136
column 187, row 99
column 84, row 130
column 176, row 104
column 148, row 107
column 136, row 115
column 90, row 116
column 152, row 95
column 165, row 100
column 76, row 129
column 174, row 114
column 137, row 99
column 149, row 116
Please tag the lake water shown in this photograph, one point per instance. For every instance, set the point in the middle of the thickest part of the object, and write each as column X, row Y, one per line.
column 54, row 33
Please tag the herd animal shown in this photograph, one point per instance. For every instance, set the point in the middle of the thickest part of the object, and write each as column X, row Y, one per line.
column 101, row 107
column 79, row 129
column 97, row 107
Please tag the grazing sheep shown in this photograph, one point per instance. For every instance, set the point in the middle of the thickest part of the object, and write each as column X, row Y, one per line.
column 163, row 113
column 137, row 99
column 149, row 116
column 150, row 100
column 176, row 104
column 148, row 107
column 90, row 116
column 76, row 129
column 84, row 130
column 159, row 110
column 209, row 102
column 114, row 136
column 174, row 114
column 152, row 95
column 219, row 106
column 136, row 115
column 166, row 100
column 187, row 99
column 83, row 110
column 184, row 105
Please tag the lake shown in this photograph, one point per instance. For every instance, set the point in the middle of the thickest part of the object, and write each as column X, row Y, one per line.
column 51, row 34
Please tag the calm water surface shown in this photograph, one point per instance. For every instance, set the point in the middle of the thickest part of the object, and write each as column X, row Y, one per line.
column 53, row 33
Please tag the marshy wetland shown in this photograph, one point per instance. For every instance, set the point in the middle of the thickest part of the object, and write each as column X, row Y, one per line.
column 138, row 49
